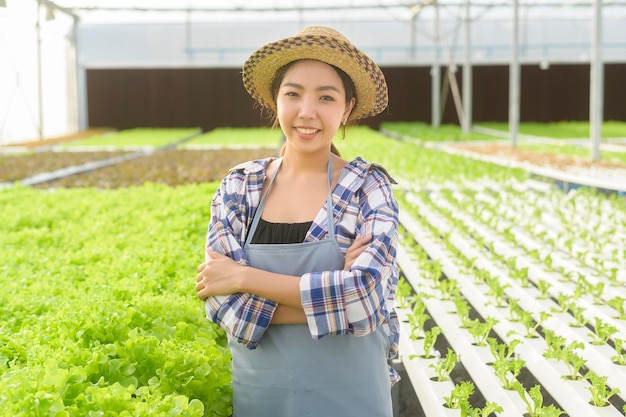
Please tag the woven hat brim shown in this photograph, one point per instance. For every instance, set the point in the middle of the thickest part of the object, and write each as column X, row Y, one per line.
column 260, row 69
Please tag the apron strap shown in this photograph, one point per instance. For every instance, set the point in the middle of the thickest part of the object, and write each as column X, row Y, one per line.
column 259, row 210
column 329, row 203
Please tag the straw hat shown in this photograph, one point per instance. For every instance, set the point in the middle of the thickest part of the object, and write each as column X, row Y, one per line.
column 322, row 44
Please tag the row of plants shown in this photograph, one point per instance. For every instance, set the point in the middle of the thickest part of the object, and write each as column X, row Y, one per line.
column 563, row 130
column 98, row 315
column 171, row 166
column 15, row 167
column 474, row 279
column 579, row 151
column 225, row 137
column 134, row 138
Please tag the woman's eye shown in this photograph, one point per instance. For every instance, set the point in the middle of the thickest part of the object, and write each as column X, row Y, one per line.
column 327, row 98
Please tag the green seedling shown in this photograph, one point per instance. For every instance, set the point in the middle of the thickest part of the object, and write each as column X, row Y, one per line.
column 521, row 275
column 529, row 322
column 555, row 343
column 497, row 290
column 566, row 354
column 403, row 293
column 534, row 254
column 564, row 301
column 534, row 406
column 416, row 324
column 502, row 351
column 430, row 338
column 480, row 330
column 515, row 311
column 578, row 312
column 596, row 292
column 462, row 311
column 505, row 365
column 481, row 276
column 548, row 262
column 602, row 332
column 443, row 367
column 611, row 274
column 448, row 288
column 564, row 274
column 435, row 272
column 467, row 410
column 600, row 393
column 544, row 287
column 460, row 394
column 620, row 348
column 507, row 371
column 617, row 303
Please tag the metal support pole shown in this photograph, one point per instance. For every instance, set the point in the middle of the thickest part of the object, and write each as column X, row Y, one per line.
column 40, row 130
column 514, row 79
column 467, row 73
column 81, row 82
column 435, row 73
column 596, row 90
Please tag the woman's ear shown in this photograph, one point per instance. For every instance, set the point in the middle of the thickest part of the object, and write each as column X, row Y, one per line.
column 349, row 108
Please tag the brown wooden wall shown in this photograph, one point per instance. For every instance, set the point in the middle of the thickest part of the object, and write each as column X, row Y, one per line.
column 210, row 98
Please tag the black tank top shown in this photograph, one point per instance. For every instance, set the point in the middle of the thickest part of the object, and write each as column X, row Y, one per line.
column 275, row 233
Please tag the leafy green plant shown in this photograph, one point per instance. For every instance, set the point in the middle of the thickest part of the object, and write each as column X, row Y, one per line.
column 444, row 366
column 596, row 291
column 529, row 322
column 544, row 287
column 460, row 394
column 564, row 300
column 418, row 318
column 497, row 290
column 449, row 288
column 534, row 405
column 600, row 392
column 515, row 310
column 620, row 348
column 602, row 332
column 403, row 293
column 560, row 350
column 505, row 365
column 468, row 410
column 618, row 304
column 578, row 312
column 462, row 311
column 480, row 330
column 430, row 338
column 107, row 336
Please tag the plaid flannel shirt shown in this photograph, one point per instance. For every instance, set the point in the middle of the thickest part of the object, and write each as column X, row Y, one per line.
column 357, row 301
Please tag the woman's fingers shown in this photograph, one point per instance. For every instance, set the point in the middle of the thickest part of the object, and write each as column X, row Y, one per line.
column 358, row 246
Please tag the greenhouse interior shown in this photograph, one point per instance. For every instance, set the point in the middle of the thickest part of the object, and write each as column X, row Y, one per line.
column 503, row 149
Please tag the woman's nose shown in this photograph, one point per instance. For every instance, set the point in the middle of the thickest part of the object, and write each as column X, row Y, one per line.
column 307, row 108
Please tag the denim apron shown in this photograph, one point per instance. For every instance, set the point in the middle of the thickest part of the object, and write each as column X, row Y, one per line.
column 290, row 374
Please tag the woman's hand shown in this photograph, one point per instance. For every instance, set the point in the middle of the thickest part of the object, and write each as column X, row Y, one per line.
column 218, row 275
column 357, row 248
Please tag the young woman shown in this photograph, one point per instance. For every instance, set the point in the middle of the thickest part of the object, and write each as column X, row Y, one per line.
column 300, row 256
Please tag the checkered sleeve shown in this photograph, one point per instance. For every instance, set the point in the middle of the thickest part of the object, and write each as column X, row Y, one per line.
column 244, row 316
column 361, row 299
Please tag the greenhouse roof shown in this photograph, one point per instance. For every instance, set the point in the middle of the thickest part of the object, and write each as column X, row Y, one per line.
column 138, row 11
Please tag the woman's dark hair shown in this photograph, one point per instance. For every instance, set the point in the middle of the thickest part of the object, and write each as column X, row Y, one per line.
column 348, row 86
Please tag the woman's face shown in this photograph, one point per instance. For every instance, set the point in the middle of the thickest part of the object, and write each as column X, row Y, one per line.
column 311, row 105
